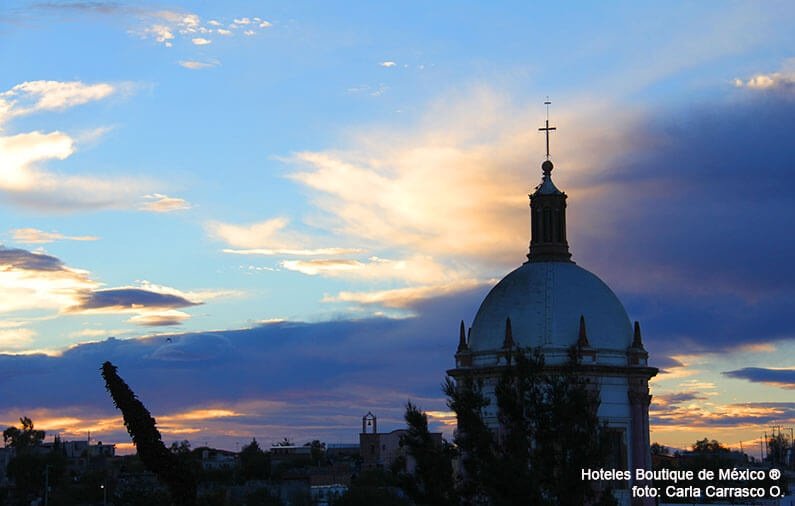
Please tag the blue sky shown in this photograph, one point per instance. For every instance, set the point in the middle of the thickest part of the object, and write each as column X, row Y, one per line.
column 340, row 186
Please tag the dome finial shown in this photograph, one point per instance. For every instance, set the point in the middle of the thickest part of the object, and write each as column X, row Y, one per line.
column 548, row 214
column 462, row 340
column 508, row 342
column 582, row 340
column 637, row 341
column 546, row 129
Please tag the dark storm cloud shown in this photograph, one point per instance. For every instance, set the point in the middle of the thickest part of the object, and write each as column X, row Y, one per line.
column 20, row 259
column 131, row 298
column 784, row 378
column 318, row 374
column 696, row 233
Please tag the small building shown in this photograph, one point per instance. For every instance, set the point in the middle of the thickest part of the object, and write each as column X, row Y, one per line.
column 216, row 460
column 380, row 450
column 291, row 454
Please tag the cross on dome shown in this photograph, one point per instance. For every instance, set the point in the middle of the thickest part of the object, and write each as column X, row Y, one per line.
column 546, row 129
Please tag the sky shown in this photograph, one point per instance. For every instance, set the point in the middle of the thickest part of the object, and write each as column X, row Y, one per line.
column 272, row 216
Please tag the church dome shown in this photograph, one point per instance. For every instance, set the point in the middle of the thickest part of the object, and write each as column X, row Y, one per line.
column 544, row 301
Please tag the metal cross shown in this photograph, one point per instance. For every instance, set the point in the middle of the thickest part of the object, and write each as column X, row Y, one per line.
column 547, row 128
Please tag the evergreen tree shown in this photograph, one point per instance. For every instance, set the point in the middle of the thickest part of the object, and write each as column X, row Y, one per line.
column 548, row 432
column 520, row 411
column 148, row 443
column 431, row 483
column 473, row 438
column 254, row 463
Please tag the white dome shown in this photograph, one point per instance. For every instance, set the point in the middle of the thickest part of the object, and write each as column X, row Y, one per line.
column 544, row 301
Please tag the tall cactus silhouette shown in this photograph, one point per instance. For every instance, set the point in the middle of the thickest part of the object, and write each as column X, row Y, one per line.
column 148, row 443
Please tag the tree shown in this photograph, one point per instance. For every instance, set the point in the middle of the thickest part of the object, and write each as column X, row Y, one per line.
column 175, row 473
column 24, row 438
column 709, row 447
column 548, row 432
column 658, row 449
column 27, row 468
column 431, row 483
column 284, row 442
column 317, row 450
column 254, row 463
column 473, row 438
column 777, row 448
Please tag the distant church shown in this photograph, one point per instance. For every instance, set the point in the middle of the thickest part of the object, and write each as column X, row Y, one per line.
column 554, row 304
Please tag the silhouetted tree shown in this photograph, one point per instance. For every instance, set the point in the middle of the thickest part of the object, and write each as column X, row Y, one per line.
column 548, row 431
column 284, row 442
column 658, row 449
column 473, row 438
column 709, row 447
column 778, row 445
column 254, row 463
column 569, row 436
column 317, row 449
column 28, row 466
column 431, row 483
column 24, row 438
column 143, row 429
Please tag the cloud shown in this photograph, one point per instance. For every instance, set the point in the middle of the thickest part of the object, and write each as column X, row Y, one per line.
column 680, row 185
column 159, row 203
column 167, row 27
column 194, row 347
column 15, row 339
column 161, row 33
column 22, row 156
column 269, row 237
column 427, row 189
column 783, row 378
column 671, row 399
column 198, row 65
column 159, row 318
column 26, row 183
column 415, row 269
column 35, row 96
column 255, row 235
column 783, row 80
column 36, row 281
column 317, row 266
column 121, row 299
column 737, row 416
column 100, row 7
column 294, row 252
column 93, row 333
column 403, row 298
column 40, row 282
column 301, row 380
column 36, row 236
